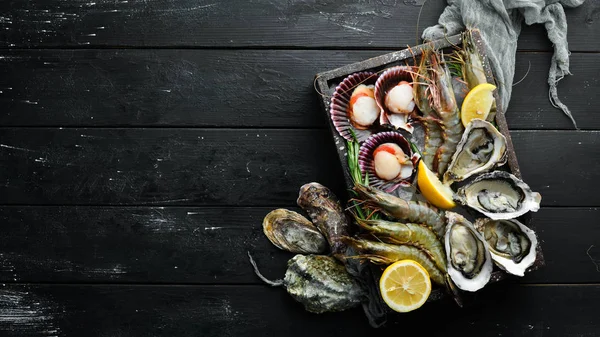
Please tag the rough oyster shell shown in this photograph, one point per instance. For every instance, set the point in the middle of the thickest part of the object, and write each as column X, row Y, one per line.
column 389, row 79
column 291, row 231
column 321, row 284
column 326, row 212
column 469, row 261
column 481, row 148
column 513, row 246
column 366, row 161
column 499, row 195
column 338, row 109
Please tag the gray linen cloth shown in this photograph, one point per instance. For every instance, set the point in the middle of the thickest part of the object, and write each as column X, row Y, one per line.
column 500, row 26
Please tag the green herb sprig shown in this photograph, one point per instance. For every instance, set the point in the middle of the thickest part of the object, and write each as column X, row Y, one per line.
column 356, row 174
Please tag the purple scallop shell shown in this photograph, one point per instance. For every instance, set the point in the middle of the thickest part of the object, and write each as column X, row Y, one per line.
column 365, row 160
column 385, row 82
column 339, row 105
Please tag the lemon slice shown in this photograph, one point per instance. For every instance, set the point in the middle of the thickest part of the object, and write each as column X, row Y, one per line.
column 433, row 190
column 405, row 286
column 477, row 103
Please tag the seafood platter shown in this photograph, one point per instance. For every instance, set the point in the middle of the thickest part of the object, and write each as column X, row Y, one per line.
column 437, row 206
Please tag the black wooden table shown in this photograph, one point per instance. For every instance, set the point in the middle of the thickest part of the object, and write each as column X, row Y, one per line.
column 142, row 143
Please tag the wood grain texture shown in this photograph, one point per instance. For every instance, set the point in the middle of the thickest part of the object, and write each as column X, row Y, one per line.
column 503, row 310
column 330, row 23
column 221, row 88
column 199, row 245
column 250, row 167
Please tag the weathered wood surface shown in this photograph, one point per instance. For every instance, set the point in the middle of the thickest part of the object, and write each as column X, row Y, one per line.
column 221, row 88
column 134, row 180
column 199, row 245
column 80, row 310
column 262, row 23
column 250, row 167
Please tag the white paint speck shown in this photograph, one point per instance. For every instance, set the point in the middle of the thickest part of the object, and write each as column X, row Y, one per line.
column 165, row 90
column 192, row 213
column 212, row 228
column 15, row 148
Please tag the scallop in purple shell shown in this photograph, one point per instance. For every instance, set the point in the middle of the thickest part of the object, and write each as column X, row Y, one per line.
column 385, row 145
column 396, row 109
column 340, row 102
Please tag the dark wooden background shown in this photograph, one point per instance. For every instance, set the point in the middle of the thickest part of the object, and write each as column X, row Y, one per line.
column 142, row 143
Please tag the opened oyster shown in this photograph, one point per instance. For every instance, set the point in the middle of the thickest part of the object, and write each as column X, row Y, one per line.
column 499, row 195
column 291, row 231
column 469, row 261
column 512, row 245
column 481, row 148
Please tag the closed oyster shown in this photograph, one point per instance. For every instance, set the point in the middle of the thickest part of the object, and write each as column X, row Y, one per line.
column 481, row 148
column 499, row 195
column 320, row 283
column 512, row 245
column 326, row 212
column 469, row 261
column 291, row 231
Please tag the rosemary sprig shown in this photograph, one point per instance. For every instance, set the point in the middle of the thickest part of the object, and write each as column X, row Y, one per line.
column 356, row 174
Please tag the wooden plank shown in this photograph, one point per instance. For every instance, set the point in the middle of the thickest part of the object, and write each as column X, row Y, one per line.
column 58, row 310
column 250, row 167
column 254, row 88
column 357, row 24
column 183, row 245
column 139, row 244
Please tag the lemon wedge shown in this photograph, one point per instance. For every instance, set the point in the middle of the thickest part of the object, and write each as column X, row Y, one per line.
column 477, row 103
column 433, row 190
column 405, row 286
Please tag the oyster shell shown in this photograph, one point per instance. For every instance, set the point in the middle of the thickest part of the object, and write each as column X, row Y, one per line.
column 512, row 245
column 340, row 105
column 406, row 166
column 320, row 283
column 469, row 261
column 395, row 97
column 499, row 195
column 326, row 212
column 291, row 231
column 481, row 148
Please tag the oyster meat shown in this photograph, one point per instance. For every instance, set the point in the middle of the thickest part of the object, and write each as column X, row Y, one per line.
column 291, row 231
column 499, row 195
column 469, row 261
column 481, row 148
column 512, row 245
column 320, row 283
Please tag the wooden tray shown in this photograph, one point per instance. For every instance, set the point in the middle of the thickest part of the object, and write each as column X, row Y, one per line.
column 327, row 81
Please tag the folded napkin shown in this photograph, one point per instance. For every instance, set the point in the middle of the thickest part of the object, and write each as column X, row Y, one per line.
column 500, row 26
